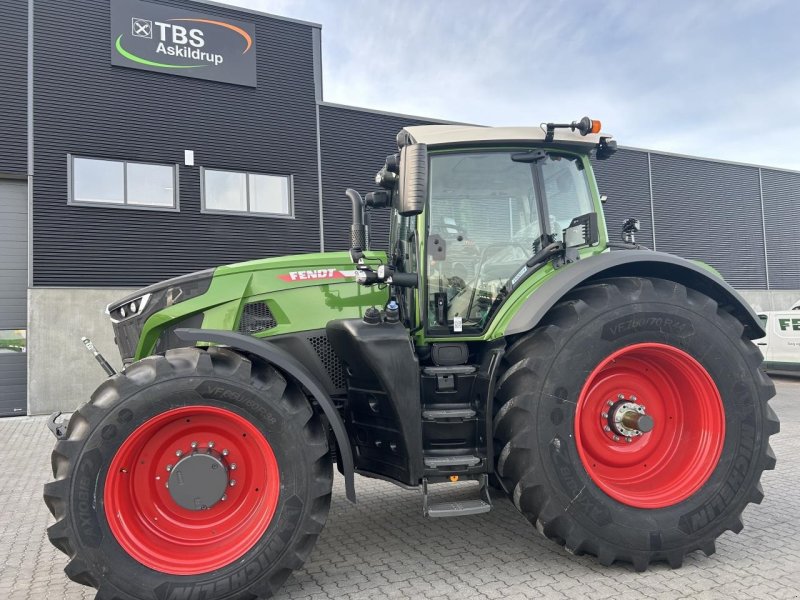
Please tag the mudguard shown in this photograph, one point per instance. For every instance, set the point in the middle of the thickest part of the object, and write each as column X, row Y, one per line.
column 289, row 364
column 633, row 263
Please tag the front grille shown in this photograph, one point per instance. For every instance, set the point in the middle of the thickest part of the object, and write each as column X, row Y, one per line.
column 256, row 317
column 126, row 336
column 331, row 362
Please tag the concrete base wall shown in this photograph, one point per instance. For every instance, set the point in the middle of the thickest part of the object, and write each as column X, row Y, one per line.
column 770, row 300
column 62, row 374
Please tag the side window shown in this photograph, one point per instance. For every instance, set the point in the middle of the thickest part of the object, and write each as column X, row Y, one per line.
column 566, row 190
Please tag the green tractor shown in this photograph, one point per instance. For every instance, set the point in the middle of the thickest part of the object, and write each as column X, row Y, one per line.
column 611, row 392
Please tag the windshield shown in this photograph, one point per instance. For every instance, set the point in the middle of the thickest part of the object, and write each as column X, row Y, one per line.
column 484, row 222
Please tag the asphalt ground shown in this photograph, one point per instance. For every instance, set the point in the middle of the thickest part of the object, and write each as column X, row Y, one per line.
column 383, row 547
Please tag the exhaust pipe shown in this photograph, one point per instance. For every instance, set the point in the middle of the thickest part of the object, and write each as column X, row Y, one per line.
column 359, row 234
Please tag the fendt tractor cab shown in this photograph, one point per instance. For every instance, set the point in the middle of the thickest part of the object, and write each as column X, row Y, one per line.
column 614, row 396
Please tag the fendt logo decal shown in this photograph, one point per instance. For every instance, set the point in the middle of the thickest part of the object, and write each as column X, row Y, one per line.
column 787, row 324
column 169, row 40
column 316, row 274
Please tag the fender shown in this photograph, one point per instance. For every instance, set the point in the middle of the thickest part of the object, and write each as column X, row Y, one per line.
column 636, row 263
column 289, row 364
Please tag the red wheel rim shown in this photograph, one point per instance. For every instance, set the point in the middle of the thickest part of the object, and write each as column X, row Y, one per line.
column 160, row 533
column 671, row 462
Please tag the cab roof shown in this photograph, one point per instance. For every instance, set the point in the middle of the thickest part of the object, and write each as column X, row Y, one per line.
column 446, row 135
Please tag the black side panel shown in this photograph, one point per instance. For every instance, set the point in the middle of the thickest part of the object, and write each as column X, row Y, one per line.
column 313, row 349
column 14, row 86
column 383, row 397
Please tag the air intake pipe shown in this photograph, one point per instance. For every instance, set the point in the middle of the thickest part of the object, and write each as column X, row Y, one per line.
column 359, row 235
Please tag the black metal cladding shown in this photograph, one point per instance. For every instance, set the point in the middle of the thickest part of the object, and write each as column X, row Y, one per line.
column 624, row 179
column 14, row 86
column 782, row 222
column 354, row 145
column 84, row 106
column 710, row 211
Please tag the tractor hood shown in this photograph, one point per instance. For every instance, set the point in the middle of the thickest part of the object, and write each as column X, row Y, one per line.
column 298, row 292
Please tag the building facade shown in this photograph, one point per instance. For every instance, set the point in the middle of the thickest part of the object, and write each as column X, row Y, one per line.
column 144, row 140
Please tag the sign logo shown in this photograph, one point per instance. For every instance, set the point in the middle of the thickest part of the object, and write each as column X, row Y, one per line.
column 180, row 42
column 316, row 274
column 142, row 28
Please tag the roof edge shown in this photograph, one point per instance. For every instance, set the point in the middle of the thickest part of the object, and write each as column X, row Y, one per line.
column 252, row 11
column 388, row 113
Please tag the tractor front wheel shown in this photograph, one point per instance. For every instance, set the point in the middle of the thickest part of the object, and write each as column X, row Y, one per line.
column 195, row 474
column 633, row 424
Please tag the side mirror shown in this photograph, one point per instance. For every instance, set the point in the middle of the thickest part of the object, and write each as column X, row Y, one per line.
column 582, row 231
column 412, row 189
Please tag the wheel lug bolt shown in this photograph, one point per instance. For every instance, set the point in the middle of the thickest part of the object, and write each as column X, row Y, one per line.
column 633, row 398
column 169, row 468
column 629, row 439
column 621, row 396
column 616, row 438
column 233, row 482
column 605, row 415
column 210, row 444
column 178, row 453
column 224, row 497
column 611, row 403
column 194, row 445
column 225, row 452
column 607, row 428
column 233, row 466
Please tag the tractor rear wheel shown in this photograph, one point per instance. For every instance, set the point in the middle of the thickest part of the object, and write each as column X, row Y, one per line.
column 632, row 423
column 198, row 474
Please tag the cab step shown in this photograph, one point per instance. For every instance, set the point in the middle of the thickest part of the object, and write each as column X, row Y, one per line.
column 460, row 508
column 461, row 460
column 448, row 414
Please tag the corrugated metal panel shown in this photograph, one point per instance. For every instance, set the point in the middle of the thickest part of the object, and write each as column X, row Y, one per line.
column 13, row 254
column 711, row 211
column 14, row 86
column 354, row 146
column 624, row 179
column 782, row 218
column 84, row 106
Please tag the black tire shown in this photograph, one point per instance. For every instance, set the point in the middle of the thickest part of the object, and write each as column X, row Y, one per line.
column 544, row 373
column 215, row 377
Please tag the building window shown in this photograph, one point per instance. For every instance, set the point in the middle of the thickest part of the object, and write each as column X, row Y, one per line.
column 127, row 184
column 252, row 193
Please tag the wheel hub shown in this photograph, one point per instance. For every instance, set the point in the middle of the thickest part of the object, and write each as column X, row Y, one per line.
column 627, row 419
column 198, row 481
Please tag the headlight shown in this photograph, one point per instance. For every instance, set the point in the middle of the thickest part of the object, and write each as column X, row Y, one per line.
column 120, row 312
column 160, row 296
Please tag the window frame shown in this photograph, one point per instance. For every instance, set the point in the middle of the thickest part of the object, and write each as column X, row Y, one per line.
column 245, row 213
column 176, row 197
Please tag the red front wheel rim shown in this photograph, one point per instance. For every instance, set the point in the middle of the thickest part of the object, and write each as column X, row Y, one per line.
column 670, row 462
column 155, row 528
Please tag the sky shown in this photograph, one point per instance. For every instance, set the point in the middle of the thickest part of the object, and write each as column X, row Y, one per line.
column 712, row 78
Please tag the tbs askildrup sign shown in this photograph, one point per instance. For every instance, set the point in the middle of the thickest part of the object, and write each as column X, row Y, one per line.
column 170, row 40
